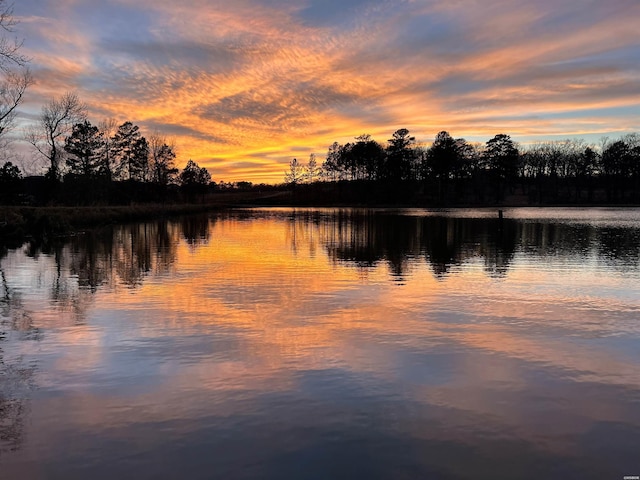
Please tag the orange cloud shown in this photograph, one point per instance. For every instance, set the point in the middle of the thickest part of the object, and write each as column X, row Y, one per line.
column 246, row 81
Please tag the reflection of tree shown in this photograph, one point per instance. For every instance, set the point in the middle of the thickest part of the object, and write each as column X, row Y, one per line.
column 195, row 229
column 620, row 246
column 351, row 238
column 500, row 247
column 14, row 376
column 367, row 238
column 70, row 272
column 165, row 247
column 300, row 229
column 443, row 243
column 617, row 246
column 82, row 264
column 90, row 257
column 141, row 249
column 131, row 254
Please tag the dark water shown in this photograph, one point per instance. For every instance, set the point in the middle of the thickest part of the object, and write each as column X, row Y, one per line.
column 326, row 344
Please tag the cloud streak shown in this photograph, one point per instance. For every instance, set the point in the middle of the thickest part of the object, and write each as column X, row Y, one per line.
column 233, row 80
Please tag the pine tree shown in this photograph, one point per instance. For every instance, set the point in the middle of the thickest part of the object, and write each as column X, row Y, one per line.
column 84, row 147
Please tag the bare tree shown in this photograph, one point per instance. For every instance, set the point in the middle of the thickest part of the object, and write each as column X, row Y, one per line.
column 57, row 119
column 11, row 93
column 17, row 76
column 9, row 48
column 295, row 174
column 313, row 171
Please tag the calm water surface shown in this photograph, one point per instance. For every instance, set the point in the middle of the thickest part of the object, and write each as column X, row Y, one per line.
column 326, row 344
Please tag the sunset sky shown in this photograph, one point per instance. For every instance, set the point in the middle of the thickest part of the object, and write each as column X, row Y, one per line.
column 244, row 86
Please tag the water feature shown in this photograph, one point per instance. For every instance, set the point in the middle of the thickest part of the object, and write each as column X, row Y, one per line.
column 326, row 343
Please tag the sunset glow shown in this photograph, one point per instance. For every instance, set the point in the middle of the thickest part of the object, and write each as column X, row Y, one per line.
column 243, row 87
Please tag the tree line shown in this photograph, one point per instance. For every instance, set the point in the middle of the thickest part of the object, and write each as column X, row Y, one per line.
column 105, row 163
column 452, row 170
column 86, row 163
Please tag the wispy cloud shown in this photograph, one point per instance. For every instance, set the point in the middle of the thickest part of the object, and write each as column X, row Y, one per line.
column 232, row 81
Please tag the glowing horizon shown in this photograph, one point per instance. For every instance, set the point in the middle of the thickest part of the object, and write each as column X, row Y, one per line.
column 245, row 87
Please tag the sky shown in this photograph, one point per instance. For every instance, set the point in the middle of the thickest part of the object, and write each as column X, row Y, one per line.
column 244, row 86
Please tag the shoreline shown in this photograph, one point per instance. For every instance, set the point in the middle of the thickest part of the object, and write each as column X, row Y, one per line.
column 19, row 223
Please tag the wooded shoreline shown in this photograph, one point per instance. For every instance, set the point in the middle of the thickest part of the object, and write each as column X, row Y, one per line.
column 19, row 223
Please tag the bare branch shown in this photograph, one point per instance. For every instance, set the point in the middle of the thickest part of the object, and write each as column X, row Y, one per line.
column 56, row 121
column 11, row 94
column 9, row 48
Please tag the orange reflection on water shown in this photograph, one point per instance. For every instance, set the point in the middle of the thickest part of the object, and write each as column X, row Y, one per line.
column 436, row 329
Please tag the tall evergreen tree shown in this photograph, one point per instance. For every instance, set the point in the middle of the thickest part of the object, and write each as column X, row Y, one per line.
column 401, row 156
column 139, row 166
column 126, row 152
column 84, row 147
column 108, row 128
column 443, row 156
column 502, row 157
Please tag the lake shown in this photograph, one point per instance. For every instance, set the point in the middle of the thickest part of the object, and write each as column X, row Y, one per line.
column 326, row 344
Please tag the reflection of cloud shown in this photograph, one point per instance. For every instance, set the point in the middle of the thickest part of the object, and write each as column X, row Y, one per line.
column 256, row 324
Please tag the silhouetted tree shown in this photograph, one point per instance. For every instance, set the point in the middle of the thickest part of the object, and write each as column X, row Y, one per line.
column 295, row 174
column 615, row 159
column 332, row 165
column 10, row 183
column 400, row 156
column 469, row 159
column 442, row 161
column 139, row 169
column 108, row 128
column 9, row 49
column 57, row 119
column 131, row 152
column 367, row 156
column 348, row 163
column 16, row 75
column 84, row 146
column 588, row 163
column 586, row 169
column 9, row 172
column 313, row 171
column 194, row 179
column 12, row 89
column 163, row 166
column 617, row 167
column 443, row 156
column 633, row 159
column 502, row 158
